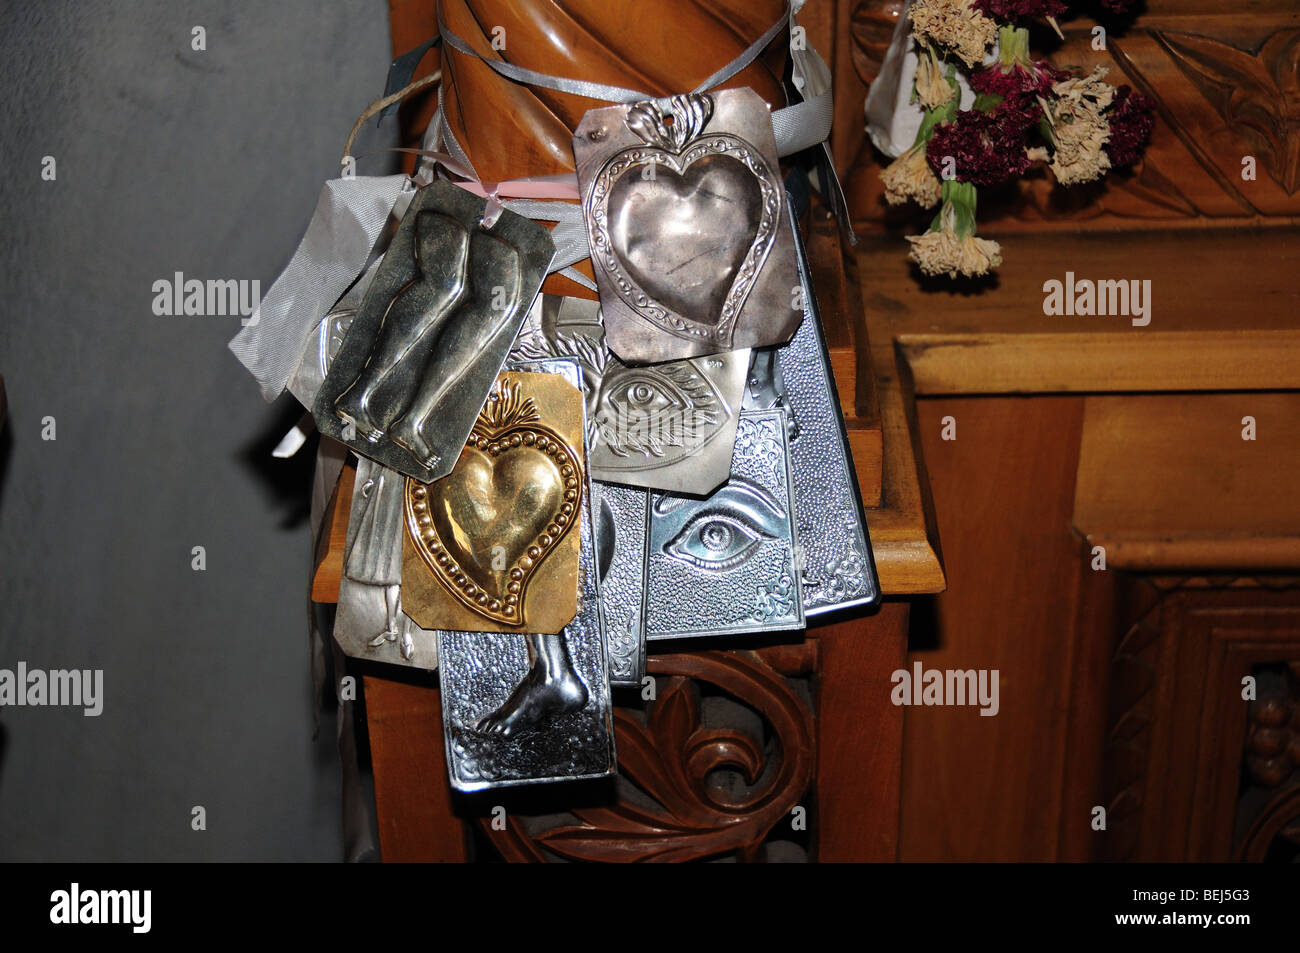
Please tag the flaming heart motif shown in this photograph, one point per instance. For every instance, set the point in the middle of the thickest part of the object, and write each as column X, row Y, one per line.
column 485, row 528
column 660, row 218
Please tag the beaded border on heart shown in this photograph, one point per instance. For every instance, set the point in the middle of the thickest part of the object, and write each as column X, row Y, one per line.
column 506, row 423
column 678, row 149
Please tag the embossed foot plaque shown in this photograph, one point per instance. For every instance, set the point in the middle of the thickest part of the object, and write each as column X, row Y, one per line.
column 523, row 709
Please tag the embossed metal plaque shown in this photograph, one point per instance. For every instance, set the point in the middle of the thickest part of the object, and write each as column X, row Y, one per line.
column 432, row 332
column 519, row 709
column 726, row 564
column 370, row 622
column 622, row 516
column 686, row 218
column 831, row 530
column 489, row 547
column 325, row 340
column 666, row 426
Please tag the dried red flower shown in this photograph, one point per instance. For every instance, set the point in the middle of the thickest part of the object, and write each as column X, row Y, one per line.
column 988, row 148
column 1018, row 9
column 1131, row 117
column 1017, row 81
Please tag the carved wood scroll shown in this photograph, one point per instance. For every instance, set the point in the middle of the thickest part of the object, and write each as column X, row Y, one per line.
column 677, row 812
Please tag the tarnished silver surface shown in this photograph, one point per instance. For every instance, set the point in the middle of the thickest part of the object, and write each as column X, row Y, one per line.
column 725, row 564
column 667, row 426
column 370, row 622
column 622, row 515
column 831, row 529
column 432, row 332
column 686, row 218
column 520, row 709
column 325, row 340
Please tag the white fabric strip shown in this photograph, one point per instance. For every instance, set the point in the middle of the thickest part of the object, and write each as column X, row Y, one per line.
column 349, row 216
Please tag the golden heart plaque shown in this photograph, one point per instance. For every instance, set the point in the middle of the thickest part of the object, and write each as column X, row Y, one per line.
column 488, row 547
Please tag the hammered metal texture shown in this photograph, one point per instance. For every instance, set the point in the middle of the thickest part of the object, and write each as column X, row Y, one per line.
column 725, row 564
column 480, row 671
column 432, row 332
column 622, row 516
column 831, row 529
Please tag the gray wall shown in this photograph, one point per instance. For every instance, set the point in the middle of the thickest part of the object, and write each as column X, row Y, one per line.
column 207, row 163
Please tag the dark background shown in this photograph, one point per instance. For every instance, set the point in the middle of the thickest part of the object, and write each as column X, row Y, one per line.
column 208, row 163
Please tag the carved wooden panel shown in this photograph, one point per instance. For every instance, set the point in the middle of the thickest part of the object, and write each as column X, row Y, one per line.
column 1194, row 770
column 1270, row 797
column 1227, row 86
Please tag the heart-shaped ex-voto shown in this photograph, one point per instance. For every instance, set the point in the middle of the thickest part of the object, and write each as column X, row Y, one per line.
column 490, row 546
column 686, row 218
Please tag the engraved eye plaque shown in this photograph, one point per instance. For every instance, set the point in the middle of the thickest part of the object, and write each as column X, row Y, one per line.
column 725, row 565
column 432, row 332
column 490, row 546
column 686, row 219
column 667, row 426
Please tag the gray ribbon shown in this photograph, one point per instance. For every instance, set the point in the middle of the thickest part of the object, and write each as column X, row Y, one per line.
column 795, row 127
column 613, row 94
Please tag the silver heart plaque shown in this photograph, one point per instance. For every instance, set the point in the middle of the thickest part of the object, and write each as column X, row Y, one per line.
column 686, row 219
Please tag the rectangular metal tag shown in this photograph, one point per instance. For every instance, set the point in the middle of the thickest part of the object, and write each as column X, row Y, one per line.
column 726, row 564
column 432, row 332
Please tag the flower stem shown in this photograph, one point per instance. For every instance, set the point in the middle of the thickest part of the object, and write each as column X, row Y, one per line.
column 1013, row 46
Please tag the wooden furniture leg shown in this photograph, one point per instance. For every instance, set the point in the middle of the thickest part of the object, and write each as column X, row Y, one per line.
column 859, row 736
column 413, row 799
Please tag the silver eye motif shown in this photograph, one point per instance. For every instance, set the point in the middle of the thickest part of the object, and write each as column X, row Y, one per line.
column 636, row 393
column 715, row 542
column 725, row 530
